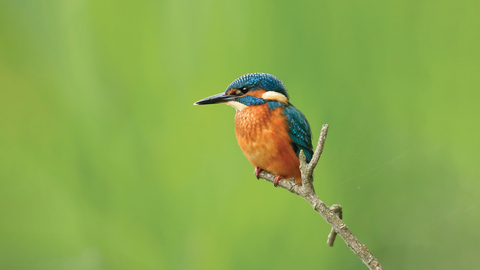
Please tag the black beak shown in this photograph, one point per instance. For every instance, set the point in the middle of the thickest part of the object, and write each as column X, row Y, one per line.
column 220, row 98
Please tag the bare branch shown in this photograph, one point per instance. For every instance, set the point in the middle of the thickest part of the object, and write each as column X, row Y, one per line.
column 319, row 150
column 337, row 209
column 333, row 216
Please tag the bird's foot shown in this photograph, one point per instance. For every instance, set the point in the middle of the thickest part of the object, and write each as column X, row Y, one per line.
column 257, row 172
column 277, row 178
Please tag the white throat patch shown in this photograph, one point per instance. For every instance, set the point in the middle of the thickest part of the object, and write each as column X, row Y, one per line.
column 237, row 105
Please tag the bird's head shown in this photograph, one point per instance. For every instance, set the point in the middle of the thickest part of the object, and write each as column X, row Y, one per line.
column 250, row 89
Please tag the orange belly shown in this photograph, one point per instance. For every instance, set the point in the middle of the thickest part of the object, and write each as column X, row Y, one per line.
column 263, row 137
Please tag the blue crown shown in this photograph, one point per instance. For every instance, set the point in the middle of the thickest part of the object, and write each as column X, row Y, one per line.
column 255, row 81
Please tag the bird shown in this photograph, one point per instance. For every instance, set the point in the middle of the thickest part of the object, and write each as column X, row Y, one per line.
column 269, row 129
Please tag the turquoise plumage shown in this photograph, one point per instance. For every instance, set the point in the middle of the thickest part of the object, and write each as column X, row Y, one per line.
column 270, row 131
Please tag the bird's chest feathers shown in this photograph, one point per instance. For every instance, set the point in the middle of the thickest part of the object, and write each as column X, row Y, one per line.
column 262, row 133
column 252, row 121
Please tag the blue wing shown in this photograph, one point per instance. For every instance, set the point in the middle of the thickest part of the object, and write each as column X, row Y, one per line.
column 299, row 131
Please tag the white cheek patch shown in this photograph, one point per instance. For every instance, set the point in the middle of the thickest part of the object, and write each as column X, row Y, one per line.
column 272, row 95
column 237, row 105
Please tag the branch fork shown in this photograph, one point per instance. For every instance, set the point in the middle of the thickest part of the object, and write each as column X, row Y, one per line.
column 332, row 215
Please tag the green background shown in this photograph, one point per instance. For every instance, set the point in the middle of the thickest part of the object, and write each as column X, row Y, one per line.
column 105, row 163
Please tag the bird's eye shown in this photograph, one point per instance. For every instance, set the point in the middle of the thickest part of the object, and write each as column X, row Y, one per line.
column 244, row 90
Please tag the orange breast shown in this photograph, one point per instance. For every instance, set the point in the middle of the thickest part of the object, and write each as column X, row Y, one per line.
column 263, row 137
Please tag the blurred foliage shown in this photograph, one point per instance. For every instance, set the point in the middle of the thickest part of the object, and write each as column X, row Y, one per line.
column 105, row 163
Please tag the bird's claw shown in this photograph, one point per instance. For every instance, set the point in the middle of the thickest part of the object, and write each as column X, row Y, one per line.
column 277, row 178
column 275, row 182
column 257, row 172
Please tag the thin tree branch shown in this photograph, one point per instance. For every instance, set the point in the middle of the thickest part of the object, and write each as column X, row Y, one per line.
column 337, row 209
column 331, row 215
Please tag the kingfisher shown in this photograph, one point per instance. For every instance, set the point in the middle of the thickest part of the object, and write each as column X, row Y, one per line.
column 269, row 129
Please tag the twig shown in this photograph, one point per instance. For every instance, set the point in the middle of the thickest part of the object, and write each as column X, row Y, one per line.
column 337, row 209
column 330, row 215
